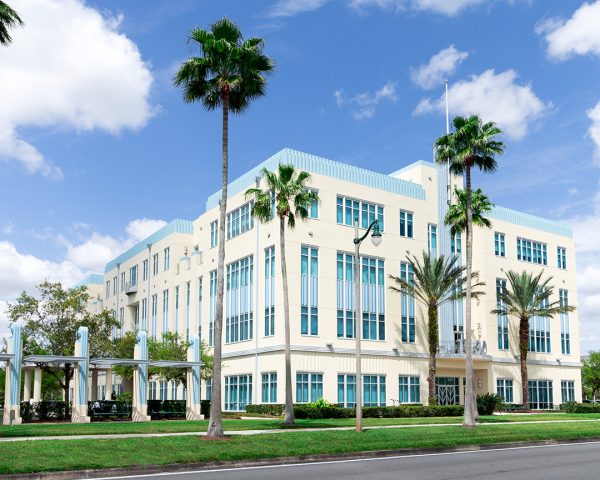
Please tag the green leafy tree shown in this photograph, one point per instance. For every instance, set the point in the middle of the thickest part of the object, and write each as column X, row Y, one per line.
column 433, row 281
column 287, row 196
column 473, row 144
column 229, row 74
column 456, row 217
column 590, row 374
column 528, row 295
column 50, row 323
column 9, row 19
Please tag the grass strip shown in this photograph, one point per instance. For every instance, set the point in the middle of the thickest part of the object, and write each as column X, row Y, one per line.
column 46, row 455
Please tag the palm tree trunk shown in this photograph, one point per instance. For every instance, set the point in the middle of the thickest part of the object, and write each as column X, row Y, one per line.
column 433, row 344
column 215, row 425
column 523, row 349
column 469, row 418
column 289, row 404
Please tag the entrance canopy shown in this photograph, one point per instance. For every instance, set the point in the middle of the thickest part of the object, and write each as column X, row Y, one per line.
column 52, row 359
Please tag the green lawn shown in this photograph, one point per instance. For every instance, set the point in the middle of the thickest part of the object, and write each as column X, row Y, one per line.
column 173, row 426
column 45, row 455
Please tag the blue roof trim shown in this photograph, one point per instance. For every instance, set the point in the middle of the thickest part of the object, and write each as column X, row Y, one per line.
column 321, row 166
column 531, row 221
column 176, row 226
column 92, row 279
column 418, row 163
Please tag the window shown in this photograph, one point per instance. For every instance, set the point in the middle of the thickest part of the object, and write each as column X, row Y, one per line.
column 200, row 303
column 562, row 257
column 239, row 317
column 539, row 333
column 145, row 270
column 374, row 390
column 115, row 285
column 155, row 264
column 565, row 335
column 133, row 276
column 163, row 389
column 347, row 390
column 173, row 390
column 309, row 290
column 166, row 258
column 532, row 252
column 409, row 389
column 372, row 297
column 269, row 291
column 188, row 298
column 214, row 233
column 165, row 322
column 499, row 248
column 407, row 333
column 121, row 321
column 447, row 391
column 313, row 209
column 504, row 388
column 540, row 395
column 348, row 210
column 567, row 390
column 177, row 309
column 213, row 307
column 309, row 387
column 122, row 281
column 144, row 314
column 154, row 314
column 406, row 224
column 269, row 387
column 238, row 392
column 432, row 239
column 152, row 390
column 456, row 244
column 240, row 220
column 107, row 293
column 502, row 319
column 209, row 389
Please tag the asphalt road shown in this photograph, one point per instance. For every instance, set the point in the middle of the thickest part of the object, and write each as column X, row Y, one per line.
column 570, row 461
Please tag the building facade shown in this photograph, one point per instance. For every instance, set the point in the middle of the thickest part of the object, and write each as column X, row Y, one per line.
column 168, row 283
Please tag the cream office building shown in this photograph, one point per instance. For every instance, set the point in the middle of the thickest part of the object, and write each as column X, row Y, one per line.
column 168, row 282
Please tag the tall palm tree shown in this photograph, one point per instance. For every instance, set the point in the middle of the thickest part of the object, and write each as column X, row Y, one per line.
column 435, row 281
column 473, row 144
column 456, row 217
column 230, row 73
column 527, row 296
column 8, row 19
column 286, row 196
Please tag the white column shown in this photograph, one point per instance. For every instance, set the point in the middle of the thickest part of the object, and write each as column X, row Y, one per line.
column 37, row 384
column 27, row 385
column 108, row 385
column 193, row 381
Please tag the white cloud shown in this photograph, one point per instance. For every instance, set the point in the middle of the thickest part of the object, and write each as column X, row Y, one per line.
column 69, row 68
column 579, row 35
column 364, row 104
column 439, row 67
column 594, row 129
column 496, row 97
column 444, row 7
column 289, row 8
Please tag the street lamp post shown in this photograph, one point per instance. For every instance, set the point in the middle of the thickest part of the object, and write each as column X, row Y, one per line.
column 376, row 239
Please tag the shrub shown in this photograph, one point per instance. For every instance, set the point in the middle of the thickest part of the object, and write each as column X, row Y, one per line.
column 109, row 409
column 488, row 403
column 569, row 407
column 320, row 403
column 26, row 411
column 581, row 407
column 166, row 409
column 274, row 409
column 205, row 408
column 403, row 411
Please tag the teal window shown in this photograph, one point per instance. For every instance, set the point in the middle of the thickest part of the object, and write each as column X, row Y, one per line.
column 136, row 318
column 269, row 387
column 239, row 318
column 567, row 390
column 133, row 276
column 155, row 264
column 313, row 209
column 562, row 257
column 502, row 319
column 532, row 252
column 173, row 390
column 309, row 387
column 167, row 259
column 163, row 386
column 309, row 290
column 209, row 389
column 240, row 220
column 177, row 309
column 154, row 314
column 499, row 247
column 539, row 332
column 214, row 233
column 122, row 281
column 145, row 314
column 432, row 239
column 165, row 324
column 238, row 392
column 407, row 307
column 349, row 209
column 212, row 284
column 145, row 270
column 504, row 388
column 269, row 291
column 540, row 395
column 456, row 244
column 347, row 390
column 409, row 389
column 406, row 224
column 374, row 390
column 565, row 335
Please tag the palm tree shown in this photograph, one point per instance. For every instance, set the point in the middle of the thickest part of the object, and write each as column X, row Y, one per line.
column 528, row 296
column 229, row 74
column 434, row 282
column 287, row 197
column 456, row 217
column 472, row 144
column 8, row 19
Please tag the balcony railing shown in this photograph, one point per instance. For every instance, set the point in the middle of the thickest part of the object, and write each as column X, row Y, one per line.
column 457, row 347
column 131, row 288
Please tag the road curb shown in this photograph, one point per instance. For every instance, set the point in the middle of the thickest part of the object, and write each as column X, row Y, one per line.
column 187, row 467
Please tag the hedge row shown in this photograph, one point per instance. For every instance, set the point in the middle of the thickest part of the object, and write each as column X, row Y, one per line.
column 404, row 411
column 274, row 409
column 46, row 410
column 572, row 407
column 166, row 409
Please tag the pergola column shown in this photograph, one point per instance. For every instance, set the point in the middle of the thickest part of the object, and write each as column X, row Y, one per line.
column 94, row 385
column 27, row 385
column 12, row 389
column 192, row 410
column 37, row 384
column 108, row 384
column 80, row 406
column 139, row 411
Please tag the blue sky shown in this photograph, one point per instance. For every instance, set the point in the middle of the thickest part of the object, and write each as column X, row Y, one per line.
column 97, row 148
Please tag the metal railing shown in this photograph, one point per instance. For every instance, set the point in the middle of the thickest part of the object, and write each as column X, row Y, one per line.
column 457, row 347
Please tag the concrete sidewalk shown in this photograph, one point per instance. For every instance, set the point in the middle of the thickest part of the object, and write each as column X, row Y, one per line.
column 260, row 432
